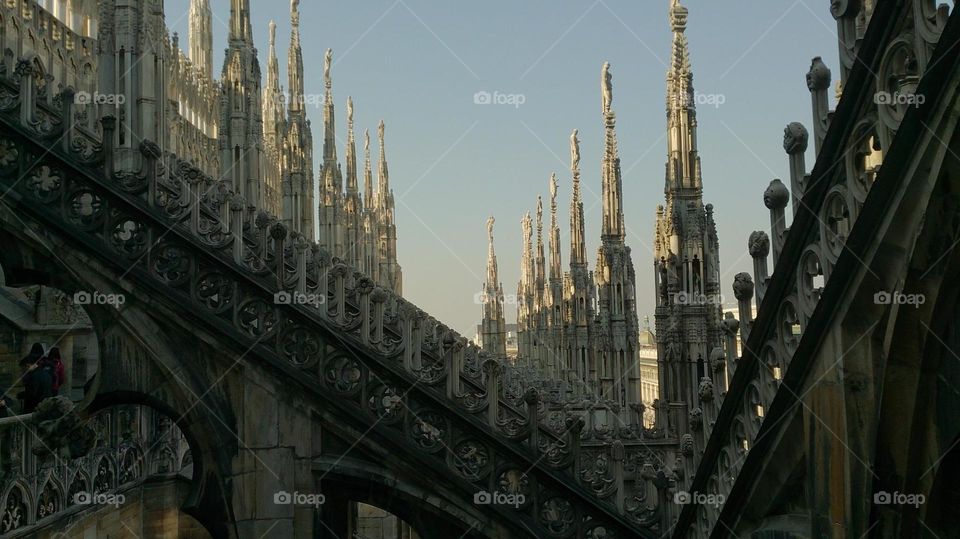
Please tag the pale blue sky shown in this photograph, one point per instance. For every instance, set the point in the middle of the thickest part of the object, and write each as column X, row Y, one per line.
column 418, row 63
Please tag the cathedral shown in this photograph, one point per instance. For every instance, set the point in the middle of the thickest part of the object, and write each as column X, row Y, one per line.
column 579, row 328
column 252, row 133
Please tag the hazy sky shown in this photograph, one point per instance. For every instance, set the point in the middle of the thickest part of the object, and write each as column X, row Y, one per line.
column 418, row 64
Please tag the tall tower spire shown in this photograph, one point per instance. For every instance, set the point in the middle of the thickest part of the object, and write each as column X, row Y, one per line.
column 240, row 21
column 273, row 112
column 295, row 61
column 578, row 249
column 541, row 261
column 613, row 228
column 556, row 271
column 525, row 295
column 367, row 171
column 493, row 327
column 390, row 274
column 687, row 260
column 201, row 36
column 331, row 186
column 683, row 165
column 352, row 184
column 383, row 176
column 240, row 129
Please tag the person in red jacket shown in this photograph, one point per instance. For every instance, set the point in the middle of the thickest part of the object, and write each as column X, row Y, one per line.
column 59, row 372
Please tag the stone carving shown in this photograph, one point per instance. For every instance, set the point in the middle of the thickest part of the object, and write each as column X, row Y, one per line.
column 776, row 196
column 818, row 78
column 795, row 138
column 759, row 244
column 62, row 433
column 606, row 82
column 743, row 286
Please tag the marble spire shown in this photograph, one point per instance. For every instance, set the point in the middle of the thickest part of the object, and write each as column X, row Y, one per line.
column 556, row 270
column 613, row 228
column 367, row 171
column 295, row 62
column 578, row 248
column 201, row 36
column 352, row 183
column 240, row 22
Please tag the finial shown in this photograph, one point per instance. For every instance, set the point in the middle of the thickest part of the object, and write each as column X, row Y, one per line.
column 327, row 61
column 553, row 189
column 294, row 6
column 539, row 214
column 273, row 33
column 606, row 83
column 490, row 221
column 380, row 130
column 350, row 112
column 678, row 17
column 366, row 142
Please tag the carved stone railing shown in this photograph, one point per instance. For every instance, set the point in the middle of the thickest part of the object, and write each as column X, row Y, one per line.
column 878, row 91
column 36, row 488
column 187, row 238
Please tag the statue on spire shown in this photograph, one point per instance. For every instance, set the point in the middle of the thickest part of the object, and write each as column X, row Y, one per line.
column 294, row 6
column 574, row 151
column 553, row 192
column 273, row 33
column 380, row 130
column 606, row 80
column 350, row 111
column 327, row 62
column 490, row 221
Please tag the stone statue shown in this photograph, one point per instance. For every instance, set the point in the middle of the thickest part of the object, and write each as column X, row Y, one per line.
column 380, row 130
column 350, row 110
column 490, row 221
column 294, row 6
column 553, row 189
column 606, row 80
column 574, row 151
column 327, row 61
column 273, row 32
